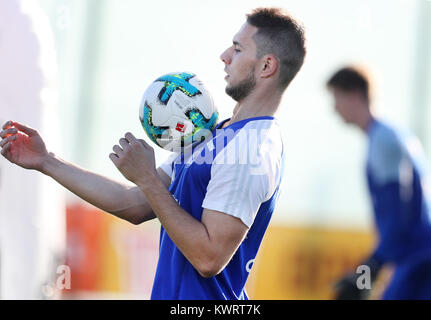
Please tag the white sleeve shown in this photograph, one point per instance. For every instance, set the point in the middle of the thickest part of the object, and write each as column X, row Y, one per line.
column 243, row 176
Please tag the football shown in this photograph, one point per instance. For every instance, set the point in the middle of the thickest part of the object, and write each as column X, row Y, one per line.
column 177, row 111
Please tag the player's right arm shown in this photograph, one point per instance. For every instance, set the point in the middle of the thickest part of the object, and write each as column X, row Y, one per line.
column 24, row 147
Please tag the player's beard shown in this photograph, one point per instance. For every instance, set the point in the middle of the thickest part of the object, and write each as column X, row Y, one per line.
column 242, row 89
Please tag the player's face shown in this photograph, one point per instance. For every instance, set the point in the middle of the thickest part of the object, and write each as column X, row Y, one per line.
column 240, row 61
column 344, row 104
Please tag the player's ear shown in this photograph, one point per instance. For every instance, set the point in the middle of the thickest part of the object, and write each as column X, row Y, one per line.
column 269, row 66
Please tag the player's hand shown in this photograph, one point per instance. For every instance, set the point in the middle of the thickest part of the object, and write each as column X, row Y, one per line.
column 22, row 146
column 135, row 159
column 347, row 289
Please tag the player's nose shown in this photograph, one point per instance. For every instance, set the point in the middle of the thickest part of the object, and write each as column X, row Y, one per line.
column 225, row 57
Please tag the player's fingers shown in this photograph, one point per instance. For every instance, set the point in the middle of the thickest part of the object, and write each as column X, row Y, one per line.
column 124, row 143
column 7, row 124
column 130, row 137
column 114, row 158
column 7, row 140
column 117, row 149
column 5, row 149
column 27, row 130
column 8, row 132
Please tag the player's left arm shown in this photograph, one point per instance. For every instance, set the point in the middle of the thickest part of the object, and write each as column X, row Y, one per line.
column 394, row 193
column 208, row 244
column 385, row 161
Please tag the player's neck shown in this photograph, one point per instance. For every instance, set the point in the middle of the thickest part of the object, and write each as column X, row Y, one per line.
column 257, row 105
column 364, row 121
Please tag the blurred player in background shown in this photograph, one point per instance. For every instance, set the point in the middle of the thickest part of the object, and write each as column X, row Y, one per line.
column 399, row 189
column 213, row 214
column 32, row 208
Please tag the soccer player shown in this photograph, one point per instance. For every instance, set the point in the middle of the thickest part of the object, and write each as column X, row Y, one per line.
column 397, row 182
column 214, row 202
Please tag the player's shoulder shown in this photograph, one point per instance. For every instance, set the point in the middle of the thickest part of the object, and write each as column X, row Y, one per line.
column 382, row 134
column 386, row 141
column 386, row 138
column 263, row 134
column 389, row 147
column 256, row 143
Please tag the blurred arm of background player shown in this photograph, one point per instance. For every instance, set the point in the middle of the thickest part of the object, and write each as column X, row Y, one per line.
column 24, row 147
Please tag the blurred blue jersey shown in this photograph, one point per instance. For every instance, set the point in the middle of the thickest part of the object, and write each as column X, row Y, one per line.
column 399, row 187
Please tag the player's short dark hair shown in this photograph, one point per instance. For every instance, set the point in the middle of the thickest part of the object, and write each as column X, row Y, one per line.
column 279, row 34
column 349, row 79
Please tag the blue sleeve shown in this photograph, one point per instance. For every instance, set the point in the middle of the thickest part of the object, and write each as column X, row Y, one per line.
column 392, row 212
column 392, row 192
